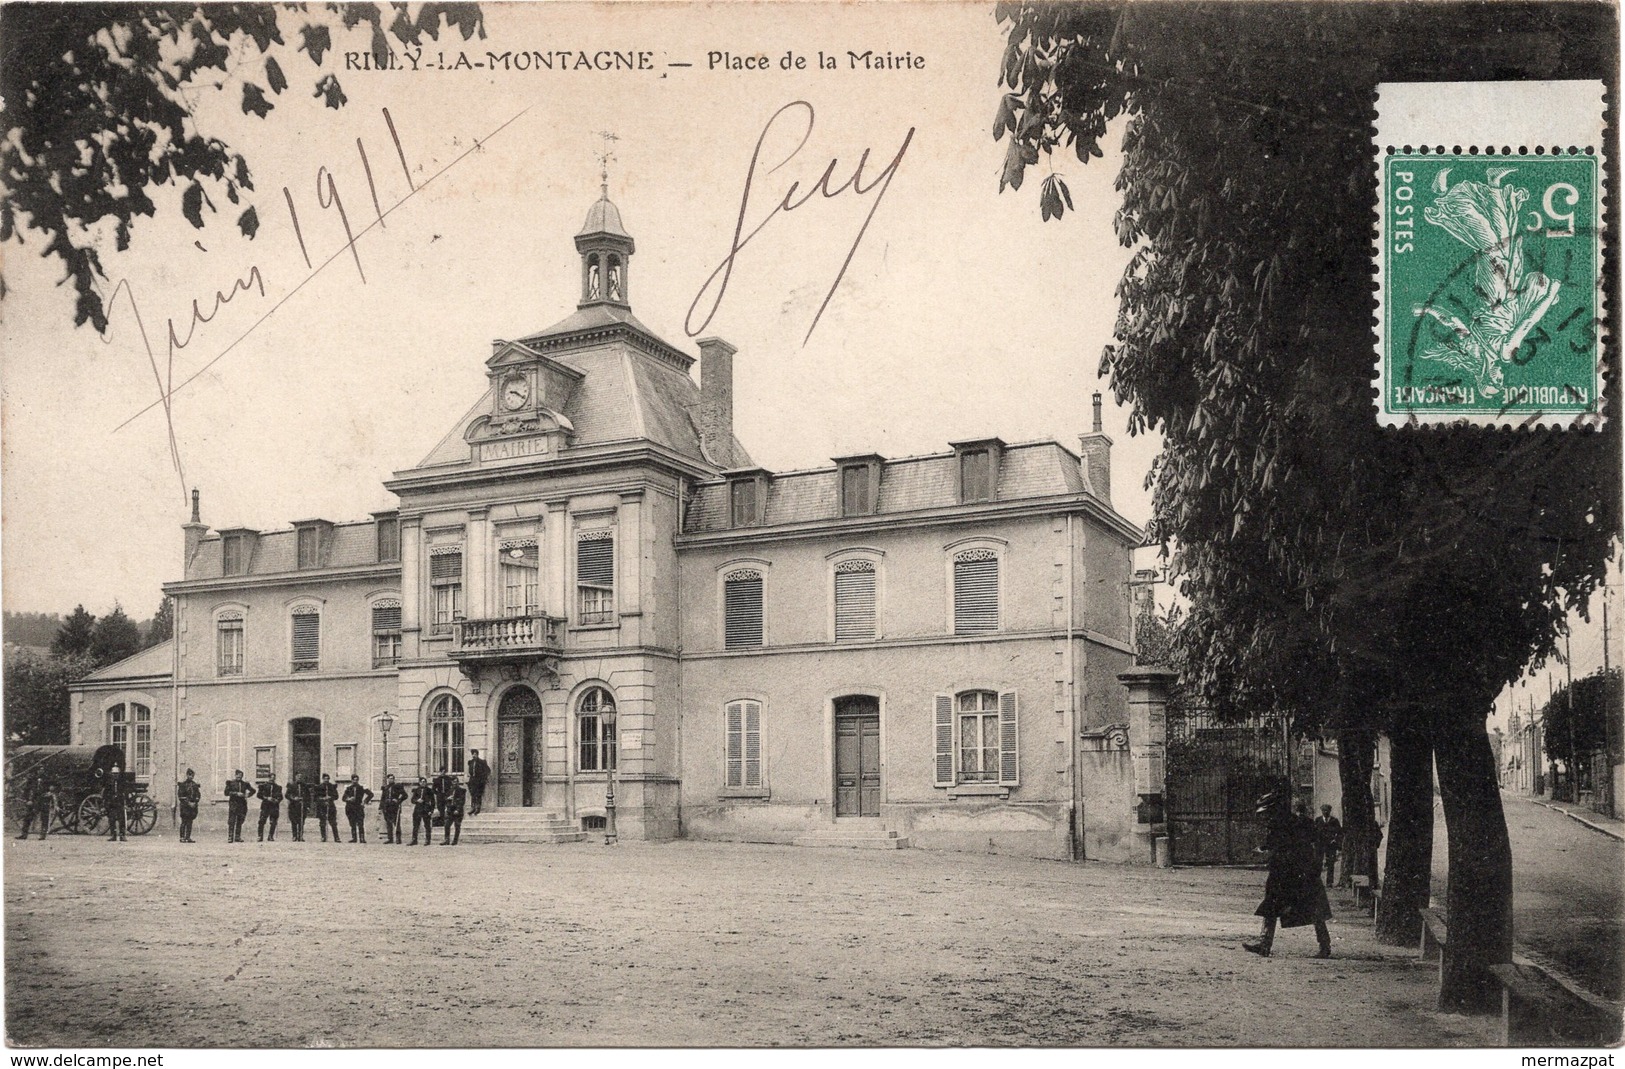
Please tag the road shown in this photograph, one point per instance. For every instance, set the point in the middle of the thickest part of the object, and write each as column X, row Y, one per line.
column 1567, row 902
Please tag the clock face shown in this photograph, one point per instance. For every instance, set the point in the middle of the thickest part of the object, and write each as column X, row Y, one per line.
column 515, row 392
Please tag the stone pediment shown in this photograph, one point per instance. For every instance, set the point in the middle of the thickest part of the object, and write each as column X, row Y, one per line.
column 554, row 381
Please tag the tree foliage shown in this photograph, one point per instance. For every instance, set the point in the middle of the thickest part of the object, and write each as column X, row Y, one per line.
column 76, row 635
column 1596, row 704
column 162, row 625
column 116, row 637
column 37, row 711
column 1334, row 569
column 98, row 102
column 32, row 628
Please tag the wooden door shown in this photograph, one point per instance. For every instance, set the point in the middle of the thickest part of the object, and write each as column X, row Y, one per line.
column 534, row 747
column 306, row 749
column 857, row 758
column 510, row 770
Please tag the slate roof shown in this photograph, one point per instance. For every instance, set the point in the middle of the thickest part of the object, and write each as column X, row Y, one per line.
column 908, row 484
column 154, row 661
column 350, row 545
column 603, row 218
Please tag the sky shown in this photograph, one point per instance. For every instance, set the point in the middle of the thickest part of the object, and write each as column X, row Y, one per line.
column 960, row 314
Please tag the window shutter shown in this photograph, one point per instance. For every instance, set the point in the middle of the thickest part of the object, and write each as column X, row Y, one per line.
column 595, row 561
column 945, row 740
column 742, row 611
column 736, row 746
column 1009, row 753
column 854, row 601
column 753, row 744
column 976, row 593
column 307, row 639
column 386, row 617
column 446, row 567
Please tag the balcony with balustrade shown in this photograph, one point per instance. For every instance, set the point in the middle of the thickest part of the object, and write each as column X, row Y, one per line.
column 507, row 639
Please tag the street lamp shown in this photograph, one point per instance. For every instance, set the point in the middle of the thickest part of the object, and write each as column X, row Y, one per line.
column 386, row 722
column 612, row 746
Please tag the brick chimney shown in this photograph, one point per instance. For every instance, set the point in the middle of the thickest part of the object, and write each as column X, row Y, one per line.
column 1096, row 450
column 195, row 530
column 717, row 400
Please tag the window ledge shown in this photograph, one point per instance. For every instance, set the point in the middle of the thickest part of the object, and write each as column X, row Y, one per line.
column 611, row 626
column 744, row 792
column 978, row 790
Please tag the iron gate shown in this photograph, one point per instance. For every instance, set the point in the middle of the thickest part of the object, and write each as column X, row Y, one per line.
column 1214, row 775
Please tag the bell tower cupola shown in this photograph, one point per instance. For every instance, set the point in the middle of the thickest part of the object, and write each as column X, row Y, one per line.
column 604, row 245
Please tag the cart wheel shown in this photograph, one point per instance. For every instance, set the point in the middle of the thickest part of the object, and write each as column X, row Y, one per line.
column 91, row 813
column 68, row 816
column 141, row 815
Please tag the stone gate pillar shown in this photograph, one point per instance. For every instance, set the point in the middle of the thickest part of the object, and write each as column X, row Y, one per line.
column 1148, row 690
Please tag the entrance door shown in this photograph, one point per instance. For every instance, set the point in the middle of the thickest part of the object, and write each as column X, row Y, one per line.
column 521, row 748
column 306, row 749
column 857, row 757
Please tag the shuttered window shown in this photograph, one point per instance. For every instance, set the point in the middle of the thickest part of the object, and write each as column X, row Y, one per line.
column 446, row 583
column 854, row 601
column 229, row 644
column 521, row 571
column 595, row 577
column 228, row 752
column 742, row 610
column 307, row 640
column 309, row 547
column 386, row 632
column 977, row 738
column 744, row 748
column 389, row 539
column 855, row 490
column 975, row 476
column 976, row 592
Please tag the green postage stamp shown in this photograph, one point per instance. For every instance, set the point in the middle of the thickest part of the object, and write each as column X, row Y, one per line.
column 1490, row 256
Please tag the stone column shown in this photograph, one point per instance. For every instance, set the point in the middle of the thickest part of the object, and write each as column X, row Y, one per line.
column 554, row 551
column 411, row 586
column 1148, row 690
column 477, row 566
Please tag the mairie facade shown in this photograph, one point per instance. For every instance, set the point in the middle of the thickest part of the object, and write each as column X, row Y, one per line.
column 589, row 581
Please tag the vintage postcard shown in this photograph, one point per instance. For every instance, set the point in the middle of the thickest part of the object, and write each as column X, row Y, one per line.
column 703, row 525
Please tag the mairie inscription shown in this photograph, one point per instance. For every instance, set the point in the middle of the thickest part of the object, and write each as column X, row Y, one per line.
column 512, row 448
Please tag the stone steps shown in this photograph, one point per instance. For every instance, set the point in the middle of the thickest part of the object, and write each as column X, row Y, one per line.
column 520, row 826
column 854, row 839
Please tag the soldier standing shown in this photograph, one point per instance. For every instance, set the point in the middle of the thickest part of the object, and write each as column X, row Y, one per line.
column 479, row 773
column 356, row 798
column 423, row 803
column 270, row 793
column 452, row 806
column 442, row 791
column 113, row 803
column 297, row 790
column 327, row 809
column 188, row 796
column 237, row 792
column 38, row 799
column 390, row 805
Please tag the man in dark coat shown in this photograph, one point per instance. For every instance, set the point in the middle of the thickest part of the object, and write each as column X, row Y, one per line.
column 356, row 798
column 389, row 804
column 298, row 797
column 479, row 774
column 38, row 798
column 327, row 807
column 1328, row 841
column 270, row 794
column 451, row 807
column 237, row 792
column 113, row 803
column 423, row 803
column 188, row 796
column 1293, row 895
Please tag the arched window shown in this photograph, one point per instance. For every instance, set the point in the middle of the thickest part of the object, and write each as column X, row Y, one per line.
column 855, row 600
column 129, row 727
column 595, row 727
column 229, row 643
column 617, row 282
column 742, row 609
column 594, row 283
column 446, row 736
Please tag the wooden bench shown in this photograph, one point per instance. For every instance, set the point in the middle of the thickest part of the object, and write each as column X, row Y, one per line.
column 1538, row 1011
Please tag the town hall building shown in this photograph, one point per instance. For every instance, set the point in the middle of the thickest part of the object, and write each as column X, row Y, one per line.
column 591, row 582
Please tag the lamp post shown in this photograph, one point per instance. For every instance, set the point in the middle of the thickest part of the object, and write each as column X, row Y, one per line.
column 612, row 746
column 386, row 722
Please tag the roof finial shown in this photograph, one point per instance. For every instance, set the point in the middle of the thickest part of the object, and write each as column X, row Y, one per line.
column 605, row 156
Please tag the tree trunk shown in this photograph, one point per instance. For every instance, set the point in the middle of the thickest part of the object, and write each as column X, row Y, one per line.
column 1407, row 879
column 1354, row 763
column 1479, row 900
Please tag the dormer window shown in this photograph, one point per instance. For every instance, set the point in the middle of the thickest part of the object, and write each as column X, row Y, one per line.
column 747, row 497
column 310, row 547
column 234, row 554
column 978, row 469
column 860, row 484
column 388, row 532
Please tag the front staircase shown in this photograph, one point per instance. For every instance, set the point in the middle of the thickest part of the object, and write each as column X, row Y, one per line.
column 520, row 826
column 855, row 838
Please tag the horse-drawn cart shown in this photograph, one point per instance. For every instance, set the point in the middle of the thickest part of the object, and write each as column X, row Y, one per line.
column 79, row 774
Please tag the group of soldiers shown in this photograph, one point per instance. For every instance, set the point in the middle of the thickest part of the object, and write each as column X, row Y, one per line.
column 40, row 800
column 443, row 802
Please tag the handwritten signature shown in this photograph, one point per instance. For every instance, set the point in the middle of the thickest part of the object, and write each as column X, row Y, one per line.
column 716, row 285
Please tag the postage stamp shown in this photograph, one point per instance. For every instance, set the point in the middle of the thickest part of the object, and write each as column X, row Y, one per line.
column 1489, row 264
